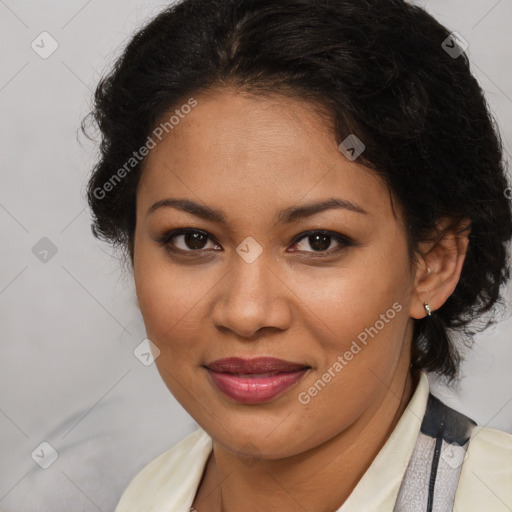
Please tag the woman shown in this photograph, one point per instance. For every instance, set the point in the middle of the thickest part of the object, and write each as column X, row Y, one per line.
column 311, row 194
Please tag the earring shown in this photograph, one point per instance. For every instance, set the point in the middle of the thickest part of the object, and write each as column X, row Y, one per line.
column 428, row 271
column 427, row 308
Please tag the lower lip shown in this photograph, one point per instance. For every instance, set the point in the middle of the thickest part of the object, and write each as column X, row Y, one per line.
column 253, row 390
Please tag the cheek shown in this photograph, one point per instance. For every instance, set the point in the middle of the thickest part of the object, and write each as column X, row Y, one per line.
column 369, row 293
column 169, row 298
column 360, row 321
column 359, row 329
column 170, row 307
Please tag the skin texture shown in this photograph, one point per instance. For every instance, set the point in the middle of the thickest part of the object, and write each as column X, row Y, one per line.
column 252, row 157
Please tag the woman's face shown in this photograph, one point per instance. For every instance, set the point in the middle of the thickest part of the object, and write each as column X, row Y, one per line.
column 256, row 279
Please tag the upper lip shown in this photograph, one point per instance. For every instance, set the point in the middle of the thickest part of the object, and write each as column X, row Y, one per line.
column 256, row 365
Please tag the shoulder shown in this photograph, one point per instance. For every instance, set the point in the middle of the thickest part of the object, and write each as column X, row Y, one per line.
column 490, row 438
column 492, row 449
column 170, row 479
column 474, row 462
column 486, row 477
column 482, row 455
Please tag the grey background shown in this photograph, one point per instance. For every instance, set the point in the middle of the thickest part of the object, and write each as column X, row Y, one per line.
column 69, row 325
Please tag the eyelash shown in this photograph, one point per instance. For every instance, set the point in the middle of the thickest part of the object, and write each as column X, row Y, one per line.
column 344, row 241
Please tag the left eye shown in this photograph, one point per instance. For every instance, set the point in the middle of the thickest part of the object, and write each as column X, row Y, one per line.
column 320, row 241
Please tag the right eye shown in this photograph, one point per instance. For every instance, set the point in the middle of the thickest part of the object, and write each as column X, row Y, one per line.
column 191, row 240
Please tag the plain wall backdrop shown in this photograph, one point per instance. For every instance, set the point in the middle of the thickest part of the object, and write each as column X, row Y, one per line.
column 69, row 318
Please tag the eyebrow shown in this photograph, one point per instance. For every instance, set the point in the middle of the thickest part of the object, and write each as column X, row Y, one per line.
column 285, row 216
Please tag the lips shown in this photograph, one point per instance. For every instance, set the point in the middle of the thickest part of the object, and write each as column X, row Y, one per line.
column 256, row 380
column 252, row 366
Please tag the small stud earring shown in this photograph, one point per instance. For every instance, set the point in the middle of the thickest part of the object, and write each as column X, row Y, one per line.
column 428, row 271
column 427, row 308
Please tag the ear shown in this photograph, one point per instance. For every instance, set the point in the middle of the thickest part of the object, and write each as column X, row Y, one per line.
column 439, row 266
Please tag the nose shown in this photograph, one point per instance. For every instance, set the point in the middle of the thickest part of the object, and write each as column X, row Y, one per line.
column 253, row 298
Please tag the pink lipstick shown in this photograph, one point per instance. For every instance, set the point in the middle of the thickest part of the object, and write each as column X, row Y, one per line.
column 252, row 381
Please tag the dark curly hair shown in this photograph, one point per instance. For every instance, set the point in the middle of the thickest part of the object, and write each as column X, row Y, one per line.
column 380, row 71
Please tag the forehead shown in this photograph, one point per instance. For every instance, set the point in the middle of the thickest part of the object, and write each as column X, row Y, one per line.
column 242, row 150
